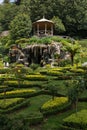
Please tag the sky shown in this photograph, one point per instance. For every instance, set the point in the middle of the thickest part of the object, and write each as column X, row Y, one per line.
column 2, row 1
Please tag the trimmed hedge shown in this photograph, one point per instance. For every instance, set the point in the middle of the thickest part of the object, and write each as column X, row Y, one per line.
column 54, row 73
column 56, row 105
column 18, row 106
column 4, row 70
column 17, row 93
column 77, row 121
column 34, row 119
column 36, row 77
column 6, row 103
column 23, row 84
column 5, row 89
column 23, row 95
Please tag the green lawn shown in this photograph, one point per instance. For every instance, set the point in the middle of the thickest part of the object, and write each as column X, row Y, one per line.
column 34, row 107
column 54, row 122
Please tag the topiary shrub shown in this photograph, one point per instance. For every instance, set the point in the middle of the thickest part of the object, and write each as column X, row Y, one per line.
column 76, row 121
column 56, row 105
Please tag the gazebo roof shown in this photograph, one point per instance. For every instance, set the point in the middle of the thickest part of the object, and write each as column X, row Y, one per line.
column 43, row 20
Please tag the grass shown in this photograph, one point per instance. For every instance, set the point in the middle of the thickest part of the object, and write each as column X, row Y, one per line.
column 83, row 42
column 54, row 122
column 5, row 103
column 34, row 107
column 50, row 123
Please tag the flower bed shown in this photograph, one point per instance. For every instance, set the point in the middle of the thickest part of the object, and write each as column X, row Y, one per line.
column 76, row 121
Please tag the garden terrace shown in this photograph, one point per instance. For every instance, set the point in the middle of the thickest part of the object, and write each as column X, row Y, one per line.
column 38, row 88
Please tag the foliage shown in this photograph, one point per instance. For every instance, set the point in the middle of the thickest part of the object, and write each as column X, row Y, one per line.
column 18, row 92
column 15, row 107
column 56, row 105
column 77, row 87
column 73, row 48
column 22, row 42
column 36, row 40
column 4, row 104
column 73, row 23
column 79, row 121
column 54, row 73
column 22, row 28
column 36, row 77
column 34, row 66
column 5, row 19
column 58, row 25
column 64, row 62
column 4, row 120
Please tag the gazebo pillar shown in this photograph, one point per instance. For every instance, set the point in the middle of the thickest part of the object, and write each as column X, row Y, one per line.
column 45, row 28
column 52, row 29
column 38, row 29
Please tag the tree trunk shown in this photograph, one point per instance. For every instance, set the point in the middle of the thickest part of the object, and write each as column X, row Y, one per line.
column 72, row 60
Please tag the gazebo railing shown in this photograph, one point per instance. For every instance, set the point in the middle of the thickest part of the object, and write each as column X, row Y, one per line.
column 43, row 33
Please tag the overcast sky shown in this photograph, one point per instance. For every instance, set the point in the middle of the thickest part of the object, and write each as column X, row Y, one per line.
column 1, row 1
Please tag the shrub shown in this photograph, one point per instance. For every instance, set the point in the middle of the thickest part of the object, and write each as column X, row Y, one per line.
column 18, row 106
column 34, row 66
column 23, row 84
column 46, row 40
column 18, row 93
column 78, row 121
column 33, row 119
column 54, row 73
column 6, row 103
column 36, row 77
column 56, row 105
column 77, row 70
column 4, row 70
column 64, row 62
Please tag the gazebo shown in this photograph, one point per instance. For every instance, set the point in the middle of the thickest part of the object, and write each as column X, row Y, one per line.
column 43, row 27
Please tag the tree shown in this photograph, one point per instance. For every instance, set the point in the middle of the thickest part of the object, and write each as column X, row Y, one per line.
column 75, row 23
column 20, row 27
column 17, row 2
column 41, row 8
column 7, row 14
column 58, row 25
column 77, row 86
column 25, row 7
column 73, row 48
column 52, row 88
column 6, row 1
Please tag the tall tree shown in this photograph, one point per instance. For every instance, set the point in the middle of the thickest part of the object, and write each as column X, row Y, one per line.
column 7, row 14
column 75, row 16
column 40, row 8
column 6, row 1
column 20, row 27
column 17, row 2
column 25, row 7
column 58, row 25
